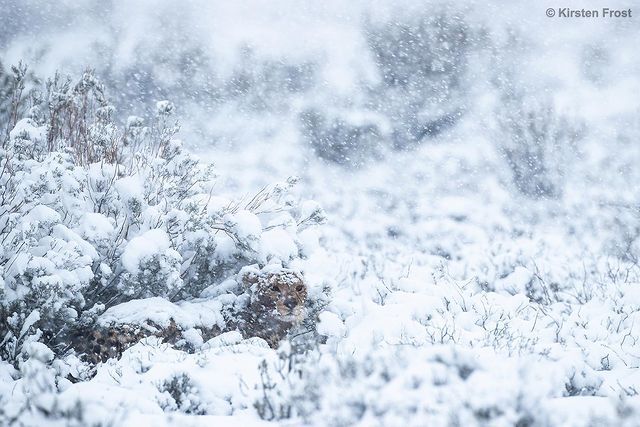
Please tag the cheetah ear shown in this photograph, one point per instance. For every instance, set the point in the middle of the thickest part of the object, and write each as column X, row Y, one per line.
column 298, row 278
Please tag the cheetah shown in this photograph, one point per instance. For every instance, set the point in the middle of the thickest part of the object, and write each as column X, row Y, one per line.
column 276, row 305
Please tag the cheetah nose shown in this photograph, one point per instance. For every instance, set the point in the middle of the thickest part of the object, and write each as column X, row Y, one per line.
column 290, row 303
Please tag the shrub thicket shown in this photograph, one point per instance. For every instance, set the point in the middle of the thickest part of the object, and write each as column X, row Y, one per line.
column 93, row 214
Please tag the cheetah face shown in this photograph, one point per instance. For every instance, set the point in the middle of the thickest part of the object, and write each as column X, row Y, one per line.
column 283, row 293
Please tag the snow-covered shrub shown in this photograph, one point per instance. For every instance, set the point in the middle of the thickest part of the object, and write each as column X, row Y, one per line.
column 537, row 143
column 625, row 227
column 266, row 85
column 348, row 138
column 280, row 386
column 179, row 394
column 152, row 268
column 34, row 399
column 443, row 386
column 422, row 61
column 13, row 85
column 93, row 215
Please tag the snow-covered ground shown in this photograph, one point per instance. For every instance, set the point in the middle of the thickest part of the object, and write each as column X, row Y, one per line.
column 455, row 300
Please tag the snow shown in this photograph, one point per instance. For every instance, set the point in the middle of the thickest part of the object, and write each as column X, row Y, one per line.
column 447, row 296
column 246, row 225
column 330, row 325
column 64, row 233
column 95, row 226
column 205, row 313
column 279, row 243
column 130, row 188
column 516, row 282
column 27, row 129
column 41, row 214
column 144, row 247
column 138, row 419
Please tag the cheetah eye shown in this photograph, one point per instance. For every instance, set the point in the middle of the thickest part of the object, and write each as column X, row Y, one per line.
column 299, row 288
column 275, row 288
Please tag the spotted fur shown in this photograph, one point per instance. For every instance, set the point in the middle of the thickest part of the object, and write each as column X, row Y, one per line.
column 103, row 343
column 277, row 305
column 277, row 301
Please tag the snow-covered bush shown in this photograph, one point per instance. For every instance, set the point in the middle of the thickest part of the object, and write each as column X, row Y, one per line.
column 282, row 394
column 625, row 227
column 349, row 391
column 179, row 394
column 93, row 215
column 349, row 138
column 265, row 85
column 422, row 61
column 537, row 143
column 34, row 400
column 14, row 84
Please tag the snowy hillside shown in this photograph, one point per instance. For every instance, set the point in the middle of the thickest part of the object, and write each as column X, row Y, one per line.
column 386, row 213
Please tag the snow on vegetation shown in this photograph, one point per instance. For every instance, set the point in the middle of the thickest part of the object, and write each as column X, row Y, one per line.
column 477, row 265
